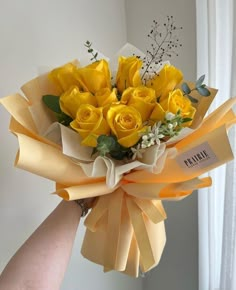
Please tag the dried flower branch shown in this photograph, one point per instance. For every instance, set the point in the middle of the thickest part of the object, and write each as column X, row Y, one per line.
column 164, row 43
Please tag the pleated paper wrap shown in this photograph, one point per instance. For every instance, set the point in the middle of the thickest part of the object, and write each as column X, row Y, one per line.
column 125, row 228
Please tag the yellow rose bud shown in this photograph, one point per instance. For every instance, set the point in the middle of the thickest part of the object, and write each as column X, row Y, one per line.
column 90, row 124
column 94, row 77
column 125, row 123
column 158, row 114
column 128, row 74
column 71, row 100
column 177, row 101
column 143, row 99
column 106, row 96
column 65, row 76
column 165, row 81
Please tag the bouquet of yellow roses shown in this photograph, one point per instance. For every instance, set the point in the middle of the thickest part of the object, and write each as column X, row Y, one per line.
column 131, row 135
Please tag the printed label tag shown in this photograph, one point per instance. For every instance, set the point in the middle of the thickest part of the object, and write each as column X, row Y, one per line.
column 197, row 158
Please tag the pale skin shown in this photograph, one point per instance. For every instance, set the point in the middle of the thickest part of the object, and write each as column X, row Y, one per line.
column 41, row 262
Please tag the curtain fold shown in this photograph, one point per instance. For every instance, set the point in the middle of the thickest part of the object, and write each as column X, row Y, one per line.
column 216, row 57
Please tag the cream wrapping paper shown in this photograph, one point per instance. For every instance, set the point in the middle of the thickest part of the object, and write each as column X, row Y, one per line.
column 127, row 220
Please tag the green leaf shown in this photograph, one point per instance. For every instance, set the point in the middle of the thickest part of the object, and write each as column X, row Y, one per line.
column 94, row 151
column 184, row 120
column 192, row 99
column 105, row 144
column 118, row 155
column 63, row 119
column 109, row 145
column 52, row 102
column 185, row 88
column 178, row 113
column 203, row 91
column 200, row 81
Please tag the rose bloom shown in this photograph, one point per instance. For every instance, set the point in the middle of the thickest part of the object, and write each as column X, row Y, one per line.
column 143, row 99
column 64, row 77
column 165, row 81
column 125, row 123
column 177, row 101
column 90, row 123
column 71, row 100
column 94, row 77
column 106, row 96
column 128, row 74
column 158, row 114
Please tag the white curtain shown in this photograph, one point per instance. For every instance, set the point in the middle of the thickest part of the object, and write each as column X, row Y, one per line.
column 216, row 57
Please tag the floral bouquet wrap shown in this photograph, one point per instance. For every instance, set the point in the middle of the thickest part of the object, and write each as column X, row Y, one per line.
column 130, row 132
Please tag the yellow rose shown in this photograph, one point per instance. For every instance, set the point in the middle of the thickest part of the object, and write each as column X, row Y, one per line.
column 158, row 114
column 106, row 96
column 71, row 100
column 90, row 124
column 143, row 99
column 165, row 81
column 125, row 123
column 94, row 77
column 128, row 74
column 65, row 76
column 177, row 101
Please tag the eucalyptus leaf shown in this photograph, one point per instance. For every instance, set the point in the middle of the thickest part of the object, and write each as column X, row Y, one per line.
column 200, row 81
column 118, row 155
column 109, row 145
column 192, row 99
column 186, row 89
column 203, row 91
column 105, row 144
column 52, row 102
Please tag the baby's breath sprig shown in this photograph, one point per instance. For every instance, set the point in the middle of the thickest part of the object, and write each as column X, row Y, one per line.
column 172, row 124
column 164, row 43
column 88, row 44
column 159, row 132
column 137, row 152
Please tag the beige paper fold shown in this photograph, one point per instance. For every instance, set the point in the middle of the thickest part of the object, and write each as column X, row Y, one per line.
column 18, row 106
column 202, row 105
column 132, row 265
column 113, row 259
column 93, row 189
column 139, row 221
column 127, row 218
column 39, row 86
column 39, row 158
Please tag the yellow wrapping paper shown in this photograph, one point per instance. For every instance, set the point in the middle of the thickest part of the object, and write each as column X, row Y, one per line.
column 127, row 221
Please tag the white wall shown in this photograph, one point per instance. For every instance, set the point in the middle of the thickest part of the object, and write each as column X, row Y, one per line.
column 178, row 268
column 48, row 32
